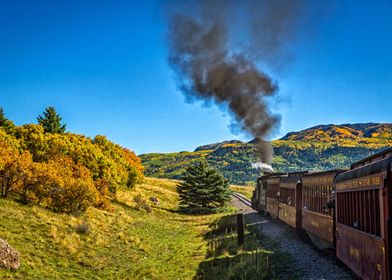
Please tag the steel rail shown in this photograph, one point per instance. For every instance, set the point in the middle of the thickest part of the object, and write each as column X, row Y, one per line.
column 242, row 199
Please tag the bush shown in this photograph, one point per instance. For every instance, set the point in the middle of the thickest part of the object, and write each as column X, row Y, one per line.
column 64, row 172
column 13, row 165
column 83, row 228
column 60, row 185
column 118, row 166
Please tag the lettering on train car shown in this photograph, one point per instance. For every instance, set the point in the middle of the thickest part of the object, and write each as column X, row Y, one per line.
column 320, row 180
column 373, row 181
column 382, row 249
column 354, row 252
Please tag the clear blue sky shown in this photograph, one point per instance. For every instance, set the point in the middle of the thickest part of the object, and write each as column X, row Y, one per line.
column 103, row 66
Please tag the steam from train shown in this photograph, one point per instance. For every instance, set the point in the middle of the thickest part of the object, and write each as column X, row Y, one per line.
column 221, row 50
column 263, row 166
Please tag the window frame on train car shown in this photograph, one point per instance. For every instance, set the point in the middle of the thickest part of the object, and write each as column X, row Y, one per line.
column 370, row 177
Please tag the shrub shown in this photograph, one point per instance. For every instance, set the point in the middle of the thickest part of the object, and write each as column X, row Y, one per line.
column 63, row 171
column 60, row 185
column 118, row 166
column 13, row 166
column 83, row 228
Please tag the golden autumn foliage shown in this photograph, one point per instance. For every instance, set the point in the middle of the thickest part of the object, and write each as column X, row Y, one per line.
column 13, row 166
column 60, row 185
column 64, row 172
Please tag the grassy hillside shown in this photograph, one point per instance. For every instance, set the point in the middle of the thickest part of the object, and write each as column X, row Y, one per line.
column 320, row 147
column 128, row 243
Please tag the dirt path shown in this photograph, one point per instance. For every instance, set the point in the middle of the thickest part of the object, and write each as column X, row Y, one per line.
column 310, row 263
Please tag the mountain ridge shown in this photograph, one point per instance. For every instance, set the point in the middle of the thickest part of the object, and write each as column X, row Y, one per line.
column 343, row 131
column 316, row 148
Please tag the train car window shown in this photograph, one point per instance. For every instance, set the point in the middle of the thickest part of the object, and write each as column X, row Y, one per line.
column 287, row 196
column 316, row 199
column 360, row 210
column 273, row 191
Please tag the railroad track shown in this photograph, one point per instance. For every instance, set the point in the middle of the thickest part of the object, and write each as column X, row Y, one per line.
column 242, row 199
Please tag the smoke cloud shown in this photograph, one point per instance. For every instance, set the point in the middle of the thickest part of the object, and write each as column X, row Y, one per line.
column 217, row 48
column 263, row 166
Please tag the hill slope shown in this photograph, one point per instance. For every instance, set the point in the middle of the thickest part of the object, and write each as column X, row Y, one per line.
column 320, row 147
column 128, row 243
column 131, row 243
column 362, row 132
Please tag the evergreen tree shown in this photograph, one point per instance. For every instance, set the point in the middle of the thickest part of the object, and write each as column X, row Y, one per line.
column 5, row 123
column 51, row 121
column 203, row 189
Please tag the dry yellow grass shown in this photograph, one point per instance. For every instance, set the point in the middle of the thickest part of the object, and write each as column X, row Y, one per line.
column 125, row 244
column 244, row 190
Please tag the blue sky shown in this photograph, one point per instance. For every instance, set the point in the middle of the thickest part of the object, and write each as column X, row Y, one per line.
column 104, row 68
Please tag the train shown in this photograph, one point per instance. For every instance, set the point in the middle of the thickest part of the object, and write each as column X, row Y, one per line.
column 348, row 211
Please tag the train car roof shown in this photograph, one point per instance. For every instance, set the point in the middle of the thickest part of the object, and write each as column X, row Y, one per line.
column 298, row 173
column 290, row 179
column 293, row 177
column 385, row 151
column 271, row 175
column 322, row 172
column 366, row 170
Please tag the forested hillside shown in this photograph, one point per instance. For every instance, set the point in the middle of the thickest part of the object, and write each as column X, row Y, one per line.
column 317, row 148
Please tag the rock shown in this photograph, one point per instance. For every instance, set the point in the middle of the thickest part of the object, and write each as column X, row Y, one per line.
column 154, row 200
column 9, row 257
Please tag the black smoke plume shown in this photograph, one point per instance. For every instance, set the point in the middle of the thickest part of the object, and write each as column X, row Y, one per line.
column 212, row 64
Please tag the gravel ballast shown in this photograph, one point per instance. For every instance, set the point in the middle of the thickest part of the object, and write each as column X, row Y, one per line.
column 307, row 261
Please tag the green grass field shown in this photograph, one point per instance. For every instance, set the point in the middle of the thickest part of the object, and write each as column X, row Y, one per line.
column 244, row 190
column 126, row 244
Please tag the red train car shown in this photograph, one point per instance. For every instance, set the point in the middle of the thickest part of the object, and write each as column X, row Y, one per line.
column 290, row 199
column 259, row 199
column 373, row 158
column 317, row 215
column 363, row 217
column 272, row 194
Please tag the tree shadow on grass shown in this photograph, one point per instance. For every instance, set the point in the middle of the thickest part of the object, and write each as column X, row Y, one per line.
column 194, row 213
column 226, row 260
column 240, row 266
column 123, row 205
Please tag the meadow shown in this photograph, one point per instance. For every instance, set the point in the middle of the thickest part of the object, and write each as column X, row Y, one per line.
column 246, row 191
column 129, row 243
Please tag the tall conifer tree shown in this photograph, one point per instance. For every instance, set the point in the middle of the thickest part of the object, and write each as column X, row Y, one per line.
column 203, row 189
column 51, row 121
column 4, row 122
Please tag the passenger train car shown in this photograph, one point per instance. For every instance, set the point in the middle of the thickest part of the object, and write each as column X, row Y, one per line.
column 317, row 209
column 347, row 210
column 259, row 197
column 290, row 199
column 363, row 217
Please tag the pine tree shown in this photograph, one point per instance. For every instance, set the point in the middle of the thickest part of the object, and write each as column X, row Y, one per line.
column 51, row 121
column 5, row 123
column 203, row 189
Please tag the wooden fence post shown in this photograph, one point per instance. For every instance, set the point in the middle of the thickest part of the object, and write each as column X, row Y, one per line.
column 240, row 229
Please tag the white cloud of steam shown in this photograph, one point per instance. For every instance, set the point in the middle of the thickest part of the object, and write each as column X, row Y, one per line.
column 263, row 166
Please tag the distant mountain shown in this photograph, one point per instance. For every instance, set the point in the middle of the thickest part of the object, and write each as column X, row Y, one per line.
column 331, row 132
column 316, row 148
column 215, row 146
